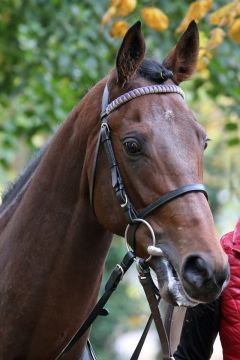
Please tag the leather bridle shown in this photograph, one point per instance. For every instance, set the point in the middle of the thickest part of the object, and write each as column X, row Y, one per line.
column 134, row 217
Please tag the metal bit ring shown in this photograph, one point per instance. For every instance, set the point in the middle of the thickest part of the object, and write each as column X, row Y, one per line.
column 151, row 232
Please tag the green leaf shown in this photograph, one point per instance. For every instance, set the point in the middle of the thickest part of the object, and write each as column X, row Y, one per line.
column 231, row 126
column 233, row 142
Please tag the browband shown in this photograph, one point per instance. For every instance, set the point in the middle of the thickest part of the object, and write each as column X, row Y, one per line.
column 132, row 94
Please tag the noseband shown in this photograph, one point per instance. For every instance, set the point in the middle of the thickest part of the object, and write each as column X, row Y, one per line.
column 133, row 216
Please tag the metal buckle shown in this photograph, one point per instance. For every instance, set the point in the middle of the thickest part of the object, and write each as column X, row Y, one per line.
column 106, row 126
column 125, row 202
column 121, row 269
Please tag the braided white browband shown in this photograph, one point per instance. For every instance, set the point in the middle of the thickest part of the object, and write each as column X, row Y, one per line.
column 145, row 90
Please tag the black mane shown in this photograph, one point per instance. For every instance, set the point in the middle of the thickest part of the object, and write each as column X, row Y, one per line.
column 153, row 71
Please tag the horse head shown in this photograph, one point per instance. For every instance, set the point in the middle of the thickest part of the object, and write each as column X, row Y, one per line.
column 158, row 146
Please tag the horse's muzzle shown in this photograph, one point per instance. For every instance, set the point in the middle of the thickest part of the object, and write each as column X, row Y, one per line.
column 200, row 281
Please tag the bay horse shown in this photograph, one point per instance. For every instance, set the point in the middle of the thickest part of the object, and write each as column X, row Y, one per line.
column 57, row 221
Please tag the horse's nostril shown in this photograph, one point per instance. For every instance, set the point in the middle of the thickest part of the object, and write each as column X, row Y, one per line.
column 196, row 271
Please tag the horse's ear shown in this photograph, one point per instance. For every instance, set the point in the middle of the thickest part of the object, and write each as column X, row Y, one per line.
column 130, row 54
column 182, row 59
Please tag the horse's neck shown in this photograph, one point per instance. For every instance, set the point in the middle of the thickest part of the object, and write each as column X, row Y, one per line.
column 55, row 209
column 56, row 246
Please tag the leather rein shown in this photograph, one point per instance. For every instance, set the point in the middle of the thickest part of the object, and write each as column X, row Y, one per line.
column 134, row 218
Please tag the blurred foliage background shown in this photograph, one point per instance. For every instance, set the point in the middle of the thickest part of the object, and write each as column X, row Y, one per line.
column 52, row 52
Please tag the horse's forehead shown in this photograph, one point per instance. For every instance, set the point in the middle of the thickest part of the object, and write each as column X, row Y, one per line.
column 155, row 108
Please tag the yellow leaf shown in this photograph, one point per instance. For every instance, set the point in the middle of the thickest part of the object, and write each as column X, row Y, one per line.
column 125, row 7
column 108, row 15
column 115, row 2
column 216, row 38
column 155, row 18
column 221, row 15
column 118, row 29
column 234, row 31
column 196, row 11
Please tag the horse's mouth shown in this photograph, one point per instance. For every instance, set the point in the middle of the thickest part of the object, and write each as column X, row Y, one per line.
column 170, row 286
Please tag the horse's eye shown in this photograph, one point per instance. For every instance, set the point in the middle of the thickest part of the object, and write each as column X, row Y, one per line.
column 132, row 146
column 206, row 143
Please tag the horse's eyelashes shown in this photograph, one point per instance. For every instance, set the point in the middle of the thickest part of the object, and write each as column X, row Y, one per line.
column 206, row 141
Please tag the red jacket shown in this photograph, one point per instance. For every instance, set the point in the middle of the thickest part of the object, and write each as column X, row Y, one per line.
column 230, row 299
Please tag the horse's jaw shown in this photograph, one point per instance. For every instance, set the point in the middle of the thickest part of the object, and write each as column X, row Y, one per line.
column 170, row 286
